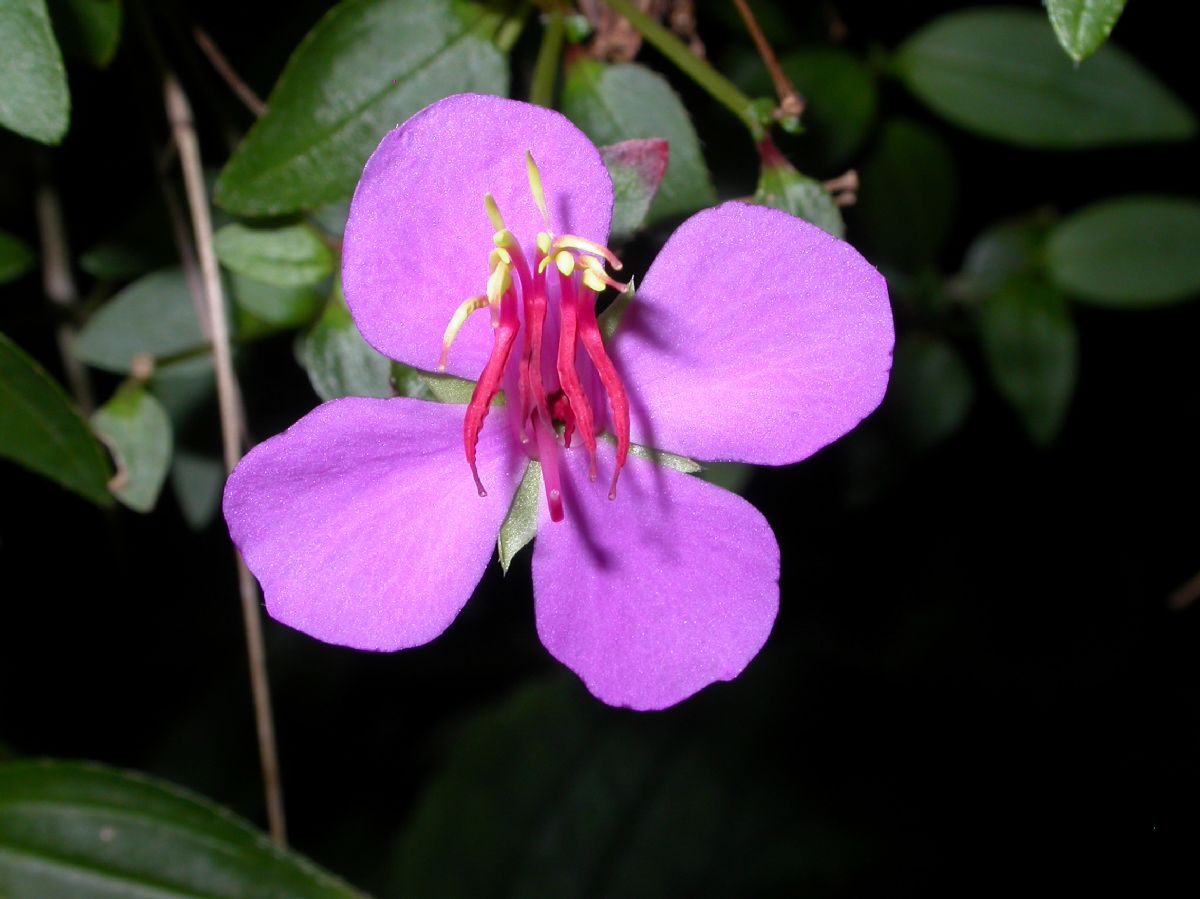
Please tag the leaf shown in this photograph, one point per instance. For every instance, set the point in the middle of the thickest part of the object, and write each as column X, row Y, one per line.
column 1000, row 73
column 1081, row 26
column 138, row 433
column 906, row 196
column 15, row 257
column 637, row 168
column 264, row 308
column 840, row 100
column 367, row 65
column 33, row 100
column 613, row 103
column 781, row 186
column 85, row 831
column 521, row 522
column 40, row 428
column 930, row 393
column 198, row 481
column 291, row 256
column 153, row 317
column 1129, row 252
column 1032, row 352
column 998, row 253
column 89, row 29
column 338, row 361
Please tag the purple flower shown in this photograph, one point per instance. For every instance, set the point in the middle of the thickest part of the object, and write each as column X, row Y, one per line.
column 753, row 337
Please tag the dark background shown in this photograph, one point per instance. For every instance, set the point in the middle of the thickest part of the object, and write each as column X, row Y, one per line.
column 975, row 681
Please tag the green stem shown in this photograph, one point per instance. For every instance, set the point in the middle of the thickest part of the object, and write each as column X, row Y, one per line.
column 718, row 86
column 545, row 70
column 510, row 28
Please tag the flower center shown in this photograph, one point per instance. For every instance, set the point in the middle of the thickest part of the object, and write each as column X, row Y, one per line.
column 542, row 313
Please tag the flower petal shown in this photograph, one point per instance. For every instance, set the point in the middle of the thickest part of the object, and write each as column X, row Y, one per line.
column 362, row 522
column 658, row 593
column 418, row 237
column 754, row 337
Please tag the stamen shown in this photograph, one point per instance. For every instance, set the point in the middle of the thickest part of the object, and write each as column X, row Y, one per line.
column 535, row 187
column 571, row 242
column 493, row 212
column 593, row 342
column 456, row 322
column 489, row 381
column 594, row 268
column 568, row 374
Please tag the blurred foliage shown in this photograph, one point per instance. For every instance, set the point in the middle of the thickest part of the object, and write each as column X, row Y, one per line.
column 993, row 544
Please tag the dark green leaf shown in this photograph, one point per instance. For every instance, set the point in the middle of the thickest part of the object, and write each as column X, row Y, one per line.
column 1003, row 250
column 781, row 186
column 338, row 361
column 1000, row 72
column 613, row 103
column 152, row 317
column 637, row 168
column 930, row 392
column 138, row 434
column 1032, row 353
column 291, row 256
column 141, row 243
column 1081, row 26
column 15, row 257
column 906, row 196
column 1129, row 252
column 88, row 29
column 33, row 83
column 366, row 66
column 40, row 429
column 84, row 831
column 840, row 100
column 197, row 480
column 265, row 307
column 521, row 522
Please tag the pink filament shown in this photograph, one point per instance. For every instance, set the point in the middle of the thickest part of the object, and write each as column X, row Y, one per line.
column 593, row 342
column 489, row 382
column 568, row 375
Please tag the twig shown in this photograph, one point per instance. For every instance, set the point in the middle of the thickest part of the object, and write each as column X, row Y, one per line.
column 545, row 69
column 791, row 104
column 182, row 129
column 244, row 92
column 59, row 284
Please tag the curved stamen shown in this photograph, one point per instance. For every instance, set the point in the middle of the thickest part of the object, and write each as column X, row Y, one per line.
column 461, row 314
column 571, row 242
column 568, row 374
column 535, row 187
column 489, row 381
column 593, row 342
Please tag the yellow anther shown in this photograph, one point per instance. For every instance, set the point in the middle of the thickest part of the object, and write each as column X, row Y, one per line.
column 493, row 212
column 544, row 242
column 570, row 241
column 499, row 256
column 504, row 238
column 594, row 267
column 594, row 281
column 456, row 322
column 498, row 284
column 544, row 263
column 535, row 187
column 565, row 262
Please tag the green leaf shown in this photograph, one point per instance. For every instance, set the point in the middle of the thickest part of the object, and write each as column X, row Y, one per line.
column 998, row 253
column 85, row 831
column 930, row 393
column 1000, row 73
column 197, row 480
column 1129, row 252
column 153, row 317
column 138, row 433
column 15, row 257
column 1032, row 352
column 89, row 29
column 521, row 522
column 338, row 361
column 781, row 186
column 366, row 66
column 40, row 429
column 264, row 308
column 906, row 196
column 1081, row 26
column 840, row 100
column 613, row 103
column 291, row 256
column 637, row 168
column 33, row 98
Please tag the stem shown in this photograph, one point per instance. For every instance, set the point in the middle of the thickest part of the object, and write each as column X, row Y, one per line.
column 718, row 86
column 179, row 113
column 790, row 102
column 60, row 288
column 545, row 70
column 244, row 92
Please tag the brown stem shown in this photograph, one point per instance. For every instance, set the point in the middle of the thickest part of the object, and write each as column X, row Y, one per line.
column 179, row 113
column 244, row 92
column 791, row 104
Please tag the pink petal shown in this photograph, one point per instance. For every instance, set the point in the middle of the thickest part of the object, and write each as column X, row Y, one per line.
column 362, row 521
column 418, row 237
column 754, row 337
column 658, row 593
